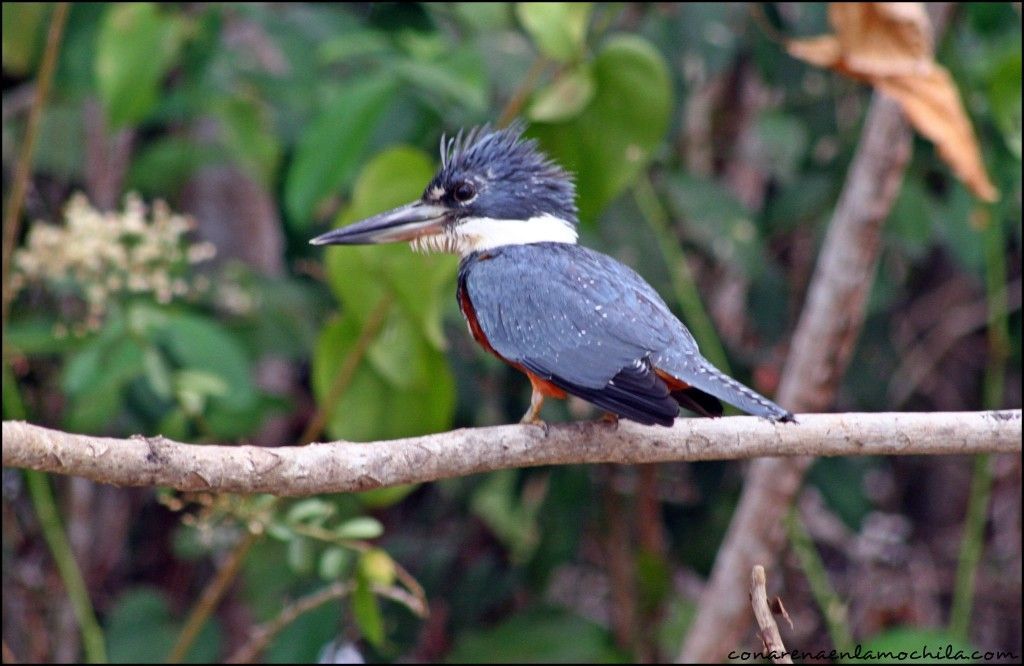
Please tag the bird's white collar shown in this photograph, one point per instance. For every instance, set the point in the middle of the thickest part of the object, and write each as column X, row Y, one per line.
column 474, row 234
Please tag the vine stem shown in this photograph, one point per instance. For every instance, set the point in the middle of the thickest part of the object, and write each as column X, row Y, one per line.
column 23, row 167
column 342, row 380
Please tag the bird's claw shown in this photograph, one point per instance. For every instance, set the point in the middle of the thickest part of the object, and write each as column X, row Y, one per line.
column 531, row 418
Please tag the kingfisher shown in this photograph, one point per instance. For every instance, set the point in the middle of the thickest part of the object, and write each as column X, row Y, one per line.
column 575, row 321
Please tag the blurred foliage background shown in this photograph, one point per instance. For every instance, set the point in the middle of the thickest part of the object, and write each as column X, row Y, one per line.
column 163, row 284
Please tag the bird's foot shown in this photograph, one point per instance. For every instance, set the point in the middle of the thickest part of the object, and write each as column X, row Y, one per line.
column 532, row 418
column 611, row 420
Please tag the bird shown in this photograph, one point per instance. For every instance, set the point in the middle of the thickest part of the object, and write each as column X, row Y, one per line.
column 575, row 321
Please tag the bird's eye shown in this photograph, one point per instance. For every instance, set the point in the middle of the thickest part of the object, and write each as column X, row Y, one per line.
column 464, row 191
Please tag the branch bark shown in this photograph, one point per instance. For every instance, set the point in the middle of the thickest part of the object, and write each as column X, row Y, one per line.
column 770, row 635
column 347, row 466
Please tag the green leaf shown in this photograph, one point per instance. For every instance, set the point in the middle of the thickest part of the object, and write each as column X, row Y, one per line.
column 352, row 45
column 94, row 381
column 512, row 520
column 565, row 97
column 403, row 364
column 138, row 629
column 362, row 527
column 300, row 555
column 310, row 511
column 83, row 367
column 35, row 337
column 23, row 29
column 612, row 139
column 334, row 562
column 366, row 612
column 174, row 425
column 537, row 636
column 458, row 78
column 1004, row 94
column 381, row 498
column 331, row 148
column 372, row 408
column 361, row 276
column 246, row 131
column 558, row 28
column 201, row 344
column 782, row 144
column 158, row 374
column 136, row 45
column 164, row 165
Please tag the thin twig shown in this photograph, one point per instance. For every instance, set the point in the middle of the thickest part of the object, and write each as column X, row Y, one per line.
column 770, row 635
column 515, row 103
column 260, row 636
column 23, row 167
column 210, row 598
column 343, row 378
column 350, row 467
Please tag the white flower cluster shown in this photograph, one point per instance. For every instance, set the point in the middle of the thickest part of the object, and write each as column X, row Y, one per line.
column 98, row 256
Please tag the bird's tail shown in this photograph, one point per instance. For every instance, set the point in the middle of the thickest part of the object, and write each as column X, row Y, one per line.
column 710, row 379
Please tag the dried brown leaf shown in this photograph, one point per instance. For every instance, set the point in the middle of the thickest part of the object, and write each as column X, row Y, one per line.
column 883, row 38
column 889, row 45
column 778, row 608
column 823, row 51
column 932, row 105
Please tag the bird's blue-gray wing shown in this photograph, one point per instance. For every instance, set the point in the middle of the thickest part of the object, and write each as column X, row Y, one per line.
column 578, row 319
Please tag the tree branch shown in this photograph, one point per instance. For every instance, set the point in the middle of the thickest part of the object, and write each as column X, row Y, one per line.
column 347, row 466
column 770, row 635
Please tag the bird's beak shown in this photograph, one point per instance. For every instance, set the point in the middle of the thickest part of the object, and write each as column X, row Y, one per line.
column 404, row 223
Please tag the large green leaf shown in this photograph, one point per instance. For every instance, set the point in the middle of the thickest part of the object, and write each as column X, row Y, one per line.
column 246, row 131
column 565, row 97
column 401, row 385
column 331, row 148
column 372, row 407
column 199, row 344
column 94, row 379
column 366, row 612
column 611, row 140
column 361, row 276
column 136, row 45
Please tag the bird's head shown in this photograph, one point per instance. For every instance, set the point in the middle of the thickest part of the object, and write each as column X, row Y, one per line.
column 493, row 188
